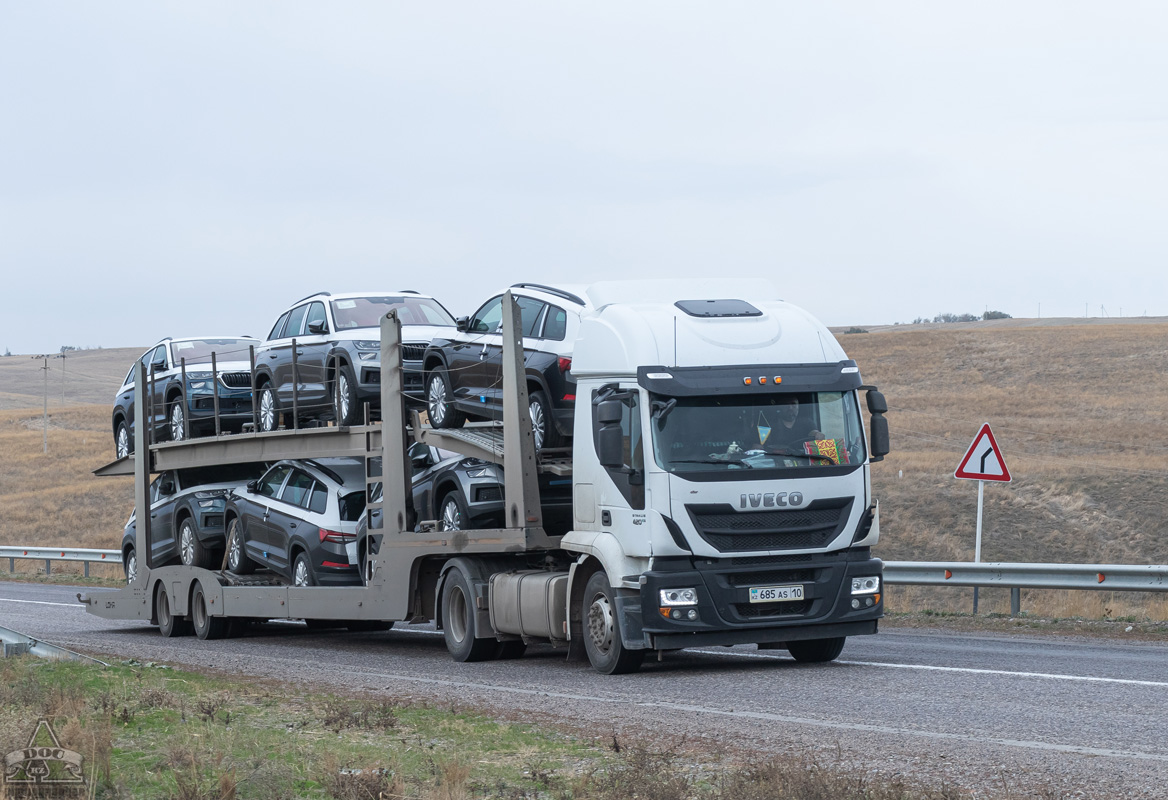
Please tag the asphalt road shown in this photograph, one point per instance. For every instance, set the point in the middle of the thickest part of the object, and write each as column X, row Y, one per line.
column 1013, row 713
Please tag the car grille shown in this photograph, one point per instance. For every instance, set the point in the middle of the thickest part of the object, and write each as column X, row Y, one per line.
column 731, row 531
column 236, row 380
column 413, row 351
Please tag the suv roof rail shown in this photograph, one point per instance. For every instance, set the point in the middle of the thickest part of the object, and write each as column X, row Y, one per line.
column 314, row 294
column 550, row 290
column 325, row 470
column 409, row 291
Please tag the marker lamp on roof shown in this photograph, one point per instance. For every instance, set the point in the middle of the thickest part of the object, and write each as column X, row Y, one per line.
column 747, row 381
column 849, row 370
column 659, row 376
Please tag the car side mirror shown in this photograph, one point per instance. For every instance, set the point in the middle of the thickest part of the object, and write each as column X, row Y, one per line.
column 252, row 486
column 166, row 488
column 318, row 326
column 159, row 365
column 462, row 323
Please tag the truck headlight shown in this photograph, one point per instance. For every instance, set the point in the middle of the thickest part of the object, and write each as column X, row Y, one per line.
column 679, row 597
column 867, row 585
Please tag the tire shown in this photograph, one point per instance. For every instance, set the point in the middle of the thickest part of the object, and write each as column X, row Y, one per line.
column 269, row 409
column 440, row 402
column 168, row 624
column 130, row 565
column 542, row 425
column 238, row 560
column 302, row 571
column 512, row 648
column 458, row 621
column 452, row 512
column 176, row 427
column 123, row 446
column 206, row 626
column 602, row 633
column 817, row 651
column 190, row 550
column 347, row 389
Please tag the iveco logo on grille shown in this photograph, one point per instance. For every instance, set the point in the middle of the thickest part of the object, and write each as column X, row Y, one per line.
column 771, row 500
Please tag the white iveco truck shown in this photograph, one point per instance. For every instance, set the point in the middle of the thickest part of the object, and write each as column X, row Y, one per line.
column 721, row 495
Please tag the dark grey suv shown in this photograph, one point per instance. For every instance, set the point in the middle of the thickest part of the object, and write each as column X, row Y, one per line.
column 335, row 365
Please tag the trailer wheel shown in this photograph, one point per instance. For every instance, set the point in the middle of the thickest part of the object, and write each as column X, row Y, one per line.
column 191, row 550
column 458, row 621
column 817, row 651
column 237, row 558
column 439, row 402
column 168, row 624
column 602, row 635
column 207, row 626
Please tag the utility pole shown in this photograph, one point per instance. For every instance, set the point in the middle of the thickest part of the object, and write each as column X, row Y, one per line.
column 62, row 357
column 45, row 419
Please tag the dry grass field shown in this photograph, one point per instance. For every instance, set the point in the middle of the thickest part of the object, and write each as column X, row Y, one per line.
column 82, row 377
column 1078, row 409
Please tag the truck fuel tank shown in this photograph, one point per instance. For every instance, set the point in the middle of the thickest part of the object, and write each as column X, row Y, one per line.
column 530, row 603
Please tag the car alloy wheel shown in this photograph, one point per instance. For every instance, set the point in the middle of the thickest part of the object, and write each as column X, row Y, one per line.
column 451, row 514
column 131, row 567
column 343, row 391
column 177, row 422
column 267, row 410
column 538, row 423
column 302, row 572
column 122, row 442
column 186, row 544
column 436, row 400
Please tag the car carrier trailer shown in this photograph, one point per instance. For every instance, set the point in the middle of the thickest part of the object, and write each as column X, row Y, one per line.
column 665, row 552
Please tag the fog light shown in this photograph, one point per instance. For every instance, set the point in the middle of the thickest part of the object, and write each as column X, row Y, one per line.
column 855, row 602
column 692, row 613
column 869, row 602
column 679, row 597
column 866, row 585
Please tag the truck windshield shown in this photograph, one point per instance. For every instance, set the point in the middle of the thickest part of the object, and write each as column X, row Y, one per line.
column 784, row 431
column 366, row 312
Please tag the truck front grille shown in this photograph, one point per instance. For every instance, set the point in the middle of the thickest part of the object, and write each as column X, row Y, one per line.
column 729, row 531
column 755, row 610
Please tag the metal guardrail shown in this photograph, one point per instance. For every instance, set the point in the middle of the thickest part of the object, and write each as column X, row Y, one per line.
column 15, row 643
column 51, row 554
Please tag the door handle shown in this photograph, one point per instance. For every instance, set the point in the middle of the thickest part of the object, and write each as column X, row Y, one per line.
column 291, row 524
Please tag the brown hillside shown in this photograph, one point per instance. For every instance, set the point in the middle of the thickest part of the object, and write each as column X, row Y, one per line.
column 1078, row 411
column 83, row 377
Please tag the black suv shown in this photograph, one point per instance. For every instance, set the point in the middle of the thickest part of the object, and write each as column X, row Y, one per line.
column 341, row 333
column 464, row 369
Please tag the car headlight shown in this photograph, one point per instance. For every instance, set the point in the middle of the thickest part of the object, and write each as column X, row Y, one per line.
column 679, row 597
column 198, row 376
column 867, row 585
column 367, row 344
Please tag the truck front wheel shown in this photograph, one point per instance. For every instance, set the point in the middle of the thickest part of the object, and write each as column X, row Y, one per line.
column 602, row 634
column 817, row 651
column 458, row 626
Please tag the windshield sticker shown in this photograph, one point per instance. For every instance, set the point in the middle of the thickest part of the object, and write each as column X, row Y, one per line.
column 764, row 428
column 183, row 345
column 346, row 304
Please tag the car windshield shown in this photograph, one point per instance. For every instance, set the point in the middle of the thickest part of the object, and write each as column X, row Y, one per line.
column 796, row 430
column 366, row 312
column 198, row 351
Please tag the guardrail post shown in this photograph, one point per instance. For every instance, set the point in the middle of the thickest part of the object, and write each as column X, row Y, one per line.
column 1015, row 601
column 975, row 588
column 48, row 566
column 87, row 569
column 12, row 565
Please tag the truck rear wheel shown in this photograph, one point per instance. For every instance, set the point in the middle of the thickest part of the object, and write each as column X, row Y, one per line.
column 168, row 624
column 602, row 634
column 817, row 651
column 458, row 626
column 207, row 626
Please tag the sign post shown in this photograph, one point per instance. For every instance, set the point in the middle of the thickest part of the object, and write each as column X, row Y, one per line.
column 983, row 462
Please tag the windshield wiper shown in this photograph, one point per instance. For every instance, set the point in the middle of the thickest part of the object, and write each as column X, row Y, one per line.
column 711, row 461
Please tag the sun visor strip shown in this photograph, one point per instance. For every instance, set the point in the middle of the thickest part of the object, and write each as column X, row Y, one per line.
column 702, row 381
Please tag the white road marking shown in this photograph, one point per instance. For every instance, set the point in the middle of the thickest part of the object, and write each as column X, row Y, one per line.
column 967, row 670
column 41, row 603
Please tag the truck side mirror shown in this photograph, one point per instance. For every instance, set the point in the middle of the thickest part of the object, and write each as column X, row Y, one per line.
column 876, row 402
column 879, row 435
column 610, row 446
column 608, row 412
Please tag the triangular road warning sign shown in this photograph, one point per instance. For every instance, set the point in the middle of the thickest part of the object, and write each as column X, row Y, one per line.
column 983, row 461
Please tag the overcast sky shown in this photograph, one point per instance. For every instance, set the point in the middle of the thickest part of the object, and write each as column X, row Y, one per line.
column 194, row 168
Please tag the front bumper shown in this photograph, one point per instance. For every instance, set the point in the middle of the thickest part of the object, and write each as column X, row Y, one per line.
column 725, row 614
column 369, row 382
